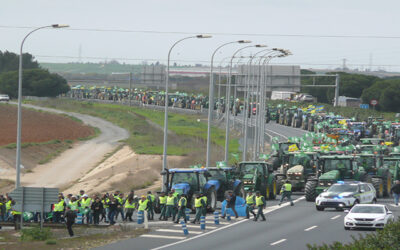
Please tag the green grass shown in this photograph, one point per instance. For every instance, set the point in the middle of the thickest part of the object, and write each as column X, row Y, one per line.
column 143, row 138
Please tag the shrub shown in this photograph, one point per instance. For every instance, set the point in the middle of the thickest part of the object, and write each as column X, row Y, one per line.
column 35, row 233
column 388, row 238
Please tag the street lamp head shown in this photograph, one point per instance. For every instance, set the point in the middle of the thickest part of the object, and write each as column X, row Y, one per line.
column 59, row 26
column 203, row 36
column 261, row 46
column 244, row 41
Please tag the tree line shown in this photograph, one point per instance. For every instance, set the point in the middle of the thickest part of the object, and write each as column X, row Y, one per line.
column 385, row 90
column 36, row 81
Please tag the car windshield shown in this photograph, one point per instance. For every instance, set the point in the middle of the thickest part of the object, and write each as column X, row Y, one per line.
column 368, row 210
column 340, row 188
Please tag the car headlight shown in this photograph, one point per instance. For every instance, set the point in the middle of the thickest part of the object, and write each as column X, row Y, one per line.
column 380, row 219
column 349, row 218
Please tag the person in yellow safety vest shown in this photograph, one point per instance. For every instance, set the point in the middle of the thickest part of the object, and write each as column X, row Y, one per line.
column 58, row 210
column 163, row 203
column 260, row 203
column 176, row 195
column 105, row 200
column 143, row 204
column 86, row 204
column 198, row 204
column 74, row 205
column 129, row 206
column 204, row 209
column 250, row 202
column 286, row 191
column 152, row 204
column 182, row 208
column 8, row 209
column 171, row 204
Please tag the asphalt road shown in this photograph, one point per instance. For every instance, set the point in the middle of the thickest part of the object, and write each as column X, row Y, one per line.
column 286, row 228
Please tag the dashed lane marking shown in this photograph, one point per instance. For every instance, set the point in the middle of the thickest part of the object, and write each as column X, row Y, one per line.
column 194, row 226
column 277, row 242
column 310, row 228
column 177, row 231
column 162, row 236
column 271, row 209
column 335, row 217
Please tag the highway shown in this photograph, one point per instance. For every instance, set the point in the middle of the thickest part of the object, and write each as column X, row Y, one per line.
column 286, row 228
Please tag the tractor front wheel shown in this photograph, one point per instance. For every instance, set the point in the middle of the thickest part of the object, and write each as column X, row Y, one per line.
column 212, row 199
column 310, row 190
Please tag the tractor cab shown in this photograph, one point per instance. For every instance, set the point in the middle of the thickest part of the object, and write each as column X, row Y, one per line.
column 223, row 179
column 186, row 180
column 258, row 176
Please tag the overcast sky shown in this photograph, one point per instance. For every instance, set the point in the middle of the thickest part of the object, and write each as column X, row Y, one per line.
column 262, row 21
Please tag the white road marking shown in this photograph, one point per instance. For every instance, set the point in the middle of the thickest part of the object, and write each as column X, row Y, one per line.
column 163, row 236
column 310, row 228
column 273, row 208
column 335, row 217
column 194, row 226
column 177, row 231
column 220, row 222
column 277, row 242
column 277, row 133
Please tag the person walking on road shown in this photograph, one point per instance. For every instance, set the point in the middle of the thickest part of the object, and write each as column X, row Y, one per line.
column 260, row 203
column 230, row 203
column 171, row 204
column 286, row 191
column 250, row 203
column 163, row 203
column 198, row 204
column 182, row 208
column 112, row 209
column 204, row 209
column 152, row 204
column 70, row 215
column 395, row 190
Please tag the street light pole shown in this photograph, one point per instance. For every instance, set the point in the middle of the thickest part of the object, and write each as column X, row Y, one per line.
column 228, row 94
column 19, row 116
column 166, row 101
column 211, row 99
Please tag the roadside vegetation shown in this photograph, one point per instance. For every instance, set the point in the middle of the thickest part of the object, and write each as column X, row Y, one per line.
column 187, row 132
column 388, row 238
column 57, row 238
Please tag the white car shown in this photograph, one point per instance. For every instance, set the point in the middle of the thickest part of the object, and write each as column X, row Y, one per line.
column 367, row 216
column 4, row 98
column 346, row 194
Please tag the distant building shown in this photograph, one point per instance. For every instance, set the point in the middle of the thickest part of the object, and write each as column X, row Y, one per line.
column 345, row 101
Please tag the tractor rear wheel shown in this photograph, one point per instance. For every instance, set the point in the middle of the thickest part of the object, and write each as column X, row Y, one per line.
column 310, row 190
column 378, row 185
column 212, row 199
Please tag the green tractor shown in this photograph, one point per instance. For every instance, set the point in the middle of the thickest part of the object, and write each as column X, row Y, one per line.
column 281, row 150
column 289, row 114
column 297, row 119
column 335, row 168
column 258, row 176
column 297, row 167
column 373, row 165
column 392, row 163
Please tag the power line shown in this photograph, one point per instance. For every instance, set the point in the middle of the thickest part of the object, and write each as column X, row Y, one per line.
column 216, row 33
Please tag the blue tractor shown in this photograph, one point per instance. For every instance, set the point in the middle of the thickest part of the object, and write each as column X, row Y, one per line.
column 190, row 181
column 223, row 179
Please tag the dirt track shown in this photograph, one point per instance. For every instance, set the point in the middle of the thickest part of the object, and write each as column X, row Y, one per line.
column 75, row 162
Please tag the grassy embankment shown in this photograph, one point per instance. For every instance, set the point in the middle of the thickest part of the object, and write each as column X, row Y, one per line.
column 145, row 127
